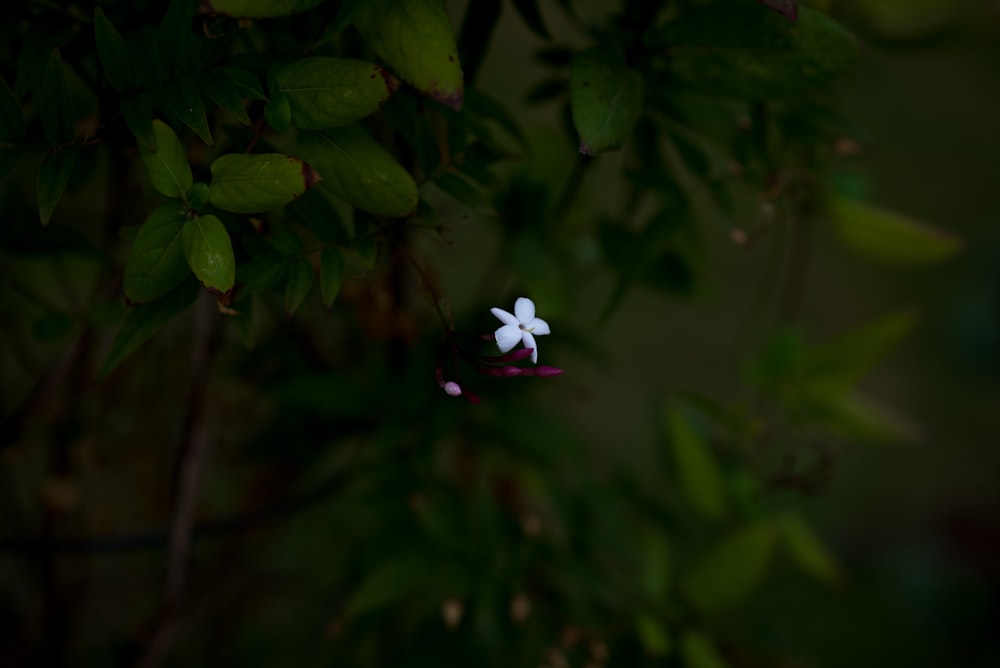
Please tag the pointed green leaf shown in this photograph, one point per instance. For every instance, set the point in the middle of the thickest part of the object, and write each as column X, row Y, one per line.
column 392, row 579
column 747, row 51
column 11, row 129
column 209, row 253
column 891, row 237
column 145, row 320
column 605, row 97
column 138, row 112
column 278, row 112
column 181, row 96
column 697, row 470
column 254, row 183
column 300, row 280
column 731, row 571
column 808, row 552
column 245, row 82
column 223, row 92
column 261, row 273
column 262, row 9
column 53, row 175
column 197, row 196
column 331, row 92
column 316, row 211
column 331, row 274
column 156, row 263
column 699, row 651
column 359, row 171
column 166, row 164
column 462, row 190
column 415, row 38
column 837, row 365
column 654, row 635
column 176, row 47
column 58, row 117
column 532, row 17
column 114, row 54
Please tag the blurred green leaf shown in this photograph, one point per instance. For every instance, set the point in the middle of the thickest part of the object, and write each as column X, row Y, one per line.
column 331, row 274
column 262, row 9
column 699, row 651
column 197, row 196
column 138, row 112
column 209, row 253
column 359, row 171
column 807, row 551
column 51, row 326
column 697, row 470
column 315, row 210
column 166, row 163
column 891, row 237
column 176, row 48
column 156, row 263
column 53, row 175
column 220, row 89
column 261, row 273
column 278, row 111
column 732, row 570
column 258, row 182
column 462, row 190
column 654, row 635
column 183, row 99
column 144, row 320
column 388, row 582
column 11, row 129
column 58, row 117
column 299, row 283
column 415, row 38
column 744, row 50
column 331, row 92
column 532, row 17
column 606, row 98
column 114, row 54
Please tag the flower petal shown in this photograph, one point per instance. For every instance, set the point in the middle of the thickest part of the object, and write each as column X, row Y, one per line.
column 537, row 326
column 507, row 337
column 524, row 309
column 529, row 342
column 504, row 317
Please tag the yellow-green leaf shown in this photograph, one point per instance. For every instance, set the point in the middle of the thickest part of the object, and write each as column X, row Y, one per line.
column 697, row 471
column 262, row 9
column 808, row 551
column 891, row 237
column 259, row 182
column 699, row 651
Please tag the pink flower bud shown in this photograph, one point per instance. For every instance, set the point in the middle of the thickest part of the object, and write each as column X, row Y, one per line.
column 513, row 356
column 453, row 389
column 541, row 371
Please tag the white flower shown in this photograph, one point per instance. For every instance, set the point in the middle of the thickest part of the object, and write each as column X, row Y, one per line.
column 521, row 326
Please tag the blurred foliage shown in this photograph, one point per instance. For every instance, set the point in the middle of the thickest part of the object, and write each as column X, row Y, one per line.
column 214, row 249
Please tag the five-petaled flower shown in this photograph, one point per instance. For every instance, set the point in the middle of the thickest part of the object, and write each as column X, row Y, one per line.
column 521, row 326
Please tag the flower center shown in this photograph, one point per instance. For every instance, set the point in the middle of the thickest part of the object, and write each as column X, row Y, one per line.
column 526, row 328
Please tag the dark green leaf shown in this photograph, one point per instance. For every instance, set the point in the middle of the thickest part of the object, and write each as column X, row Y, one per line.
column 245, row 82
column 745, row 50
column 484, row 106
column 891, row 237
column 209, row 253
column 53, row 175
column 114, row 54
column 415, row 38
column 391, row 580
column 197, row 196
column 697, row 471
column 175, row 40
column 331, row 274
column 166, row 164
column 359, row 171
column 532, row 17
column 808, row 552
column 58, row 117
column 699, row 651
column 156, row 263
column 606, row 98
column 221, row 90
column 278, row 112
column 731, row 571
column 144, row 320
column 654, row 635
column 184, row 101
column 138, row 112
column 315, row 210
column 11, row 129
column 282, row 239
column 260, row 182
column 462, row 190
column 261, row 273
column 331, row 92
column 51, row 326
column 262, row 9
column 300, row 280
column 481, row 18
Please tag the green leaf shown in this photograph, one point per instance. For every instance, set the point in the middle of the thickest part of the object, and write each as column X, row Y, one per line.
column 182, row 99
column 744, row 50
column 731, row 571
column 221, row 90
column 176, row 47
column 209, row 253
column 261, row 273
column 462, row 190
column 278, row 112
column 262, row 9
column 359, row 171
column 699, row 651
column 697, row 470
column 166, row 164
column 331, row 274
column 58, row 117
column 605, row 97
column 138, row 112
column 245, row 82
column 390, row 581
column 53, row 175
column 330, row 92
column 11, row 129
column 300, row 280
column 415, row 38
column 532, row 17
column 259, row 182
column 316, row 211
column 114, row 54
column 197, row 196
column 891, row 237
column 156, row 263
column 808, row 552
column 51, row 326
column 143, row 321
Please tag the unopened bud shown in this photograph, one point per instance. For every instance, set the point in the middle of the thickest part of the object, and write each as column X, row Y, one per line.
column 452, row 389
column 541, row 371
column 513, row 356
column 452, row 611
